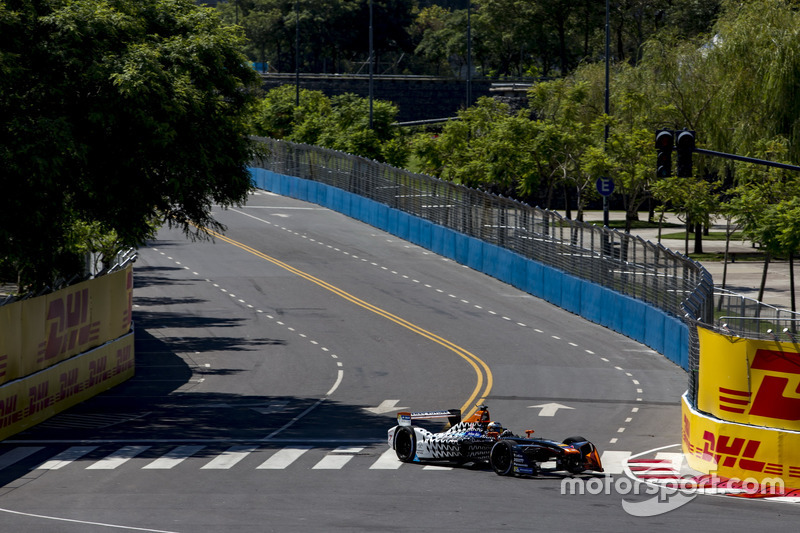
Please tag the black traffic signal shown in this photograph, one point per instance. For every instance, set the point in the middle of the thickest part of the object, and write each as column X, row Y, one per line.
column 685, row 147
column 664, row 143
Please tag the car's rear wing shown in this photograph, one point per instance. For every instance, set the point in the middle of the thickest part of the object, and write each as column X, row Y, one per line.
column 453, row 416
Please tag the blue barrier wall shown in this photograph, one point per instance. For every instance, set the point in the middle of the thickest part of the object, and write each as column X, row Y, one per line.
column 636, row 319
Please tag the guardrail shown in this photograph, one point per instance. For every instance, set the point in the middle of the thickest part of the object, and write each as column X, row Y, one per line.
column 746, row 317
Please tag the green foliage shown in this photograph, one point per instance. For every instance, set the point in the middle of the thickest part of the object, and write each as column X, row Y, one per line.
column 340, row 123
column 757, row 58
column 764, row 201
column 116, row 113
column 333, row 34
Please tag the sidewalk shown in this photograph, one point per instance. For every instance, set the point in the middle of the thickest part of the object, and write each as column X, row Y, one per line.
column 742, row 277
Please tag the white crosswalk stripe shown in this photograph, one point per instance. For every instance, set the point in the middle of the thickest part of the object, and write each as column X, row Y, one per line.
column 18, row 454
column 229, row 457
column 173, row 458
column 387, row 461
column 337, row 458
column 66, row 457
column 283, row 458
column 117, row 458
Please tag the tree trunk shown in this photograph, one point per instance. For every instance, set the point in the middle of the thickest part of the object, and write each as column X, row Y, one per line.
column 686, row 241
column 791, row 282
column 728, row 234
column 698, row 238
column 763, row 277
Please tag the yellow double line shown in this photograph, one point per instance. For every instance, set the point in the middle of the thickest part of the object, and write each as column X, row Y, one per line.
column 484, row 375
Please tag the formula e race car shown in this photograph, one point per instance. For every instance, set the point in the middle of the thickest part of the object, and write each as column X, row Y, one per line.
column 478, row 438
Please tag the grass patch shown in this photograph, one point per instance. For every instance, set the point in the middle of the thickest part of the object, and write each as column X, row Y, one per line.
column 732, row 258
column 712, row 236
column 641, row 224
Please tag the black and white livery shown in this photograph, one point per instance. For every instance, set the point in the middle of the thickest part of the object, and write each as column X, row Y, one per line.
column 478, row 438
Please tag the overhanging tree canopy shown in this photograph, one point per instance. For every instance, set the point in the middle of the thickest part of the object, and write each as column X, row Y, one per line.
column 115, row 112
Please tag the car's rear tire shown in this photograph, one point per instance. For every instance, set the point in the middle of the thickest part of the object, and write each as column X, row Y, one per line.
column 573, row 440
column 405, row 444
column 501, row 458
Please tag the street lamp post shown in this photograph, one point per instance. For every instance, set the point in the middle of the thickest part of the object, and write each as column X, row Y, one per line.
column 607, row 108
column 469, row 53
column 371, row 69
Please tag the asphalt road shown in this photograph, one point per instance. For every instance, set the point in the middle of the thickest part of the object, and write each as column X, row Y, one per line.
column 271, row 362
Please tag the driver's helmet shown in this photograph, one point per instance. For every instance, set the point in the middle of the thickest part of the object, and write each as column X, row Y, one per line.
column 495, row 427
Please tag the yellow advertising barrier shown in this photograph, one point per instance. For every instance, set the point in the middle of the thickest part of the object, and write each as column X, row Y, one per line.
column 39, row 332
column 30, row 400
column 749, row 381
column 730, row 450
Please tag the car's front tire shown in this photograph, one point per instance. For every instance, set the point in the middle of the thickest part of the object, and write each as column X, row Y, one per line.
column 501, row 458
column 405, row 444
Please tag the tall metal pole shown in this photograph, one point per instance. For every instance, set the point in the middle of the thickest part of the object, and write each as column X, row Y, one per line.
column 370, row 64
column 469, row 53
column 296, row 55
column 607, row 105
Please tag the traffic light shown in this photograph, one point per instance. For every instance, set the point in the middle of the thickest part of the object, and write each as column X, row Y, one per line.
column 664, row 143
column 685, row 146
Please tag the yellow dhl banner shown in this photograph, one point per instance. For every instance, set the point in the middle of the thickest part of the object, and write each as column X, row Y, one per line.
column 749, row 381
column 30, row 400
column 39, row 332
column 732, row 450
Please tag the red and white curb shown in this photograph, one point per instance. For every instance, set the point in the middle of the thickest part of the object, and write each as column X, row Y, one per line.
column 671, row 471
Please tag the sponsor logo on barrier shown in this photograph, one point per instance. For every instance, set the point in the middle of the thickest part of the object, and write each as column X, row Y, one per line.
column 3, row 365
column 8, row 411
column 69, row 384
column 775, row 377
column 126, row 313
column 98, row 371
column 68, row 327
column 779, row 395
column 38, row 397
column 125, row 359
column 734, row 452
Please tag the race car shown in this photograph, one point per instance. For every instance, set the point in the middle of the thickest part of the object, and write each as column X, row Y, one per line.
column 478, row 438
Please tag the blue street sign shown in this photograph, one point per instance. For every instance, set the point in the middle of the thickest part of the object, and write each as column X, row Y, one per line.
column 605, row 186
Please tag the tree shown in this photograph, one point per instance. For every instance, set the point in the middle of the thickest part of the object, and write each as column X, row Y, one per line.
column 567, row 110
column 785, row 216
column 696, row 199
column 762, row 204
column 755, row 56
column 439, row 40
column 339, row 123
column 487, row 148
column 115, row 113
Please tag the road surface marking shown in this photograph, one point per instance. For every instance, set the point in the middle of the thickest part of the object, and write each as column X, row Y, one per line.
column 117, row 458
column 173, row 458
column 283, row 458
column 229, row 457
